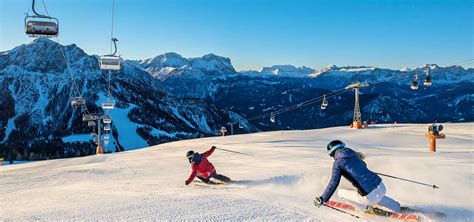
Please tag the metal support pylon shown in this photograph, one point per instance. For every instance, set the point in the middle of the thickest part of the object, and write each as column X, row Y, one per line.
column 357, row 120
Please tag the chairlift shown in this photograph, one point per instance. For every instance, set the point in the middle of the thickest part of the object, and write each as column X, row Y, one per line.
column 38, row 25
column 90, row 123
column 241, row 126
column 108, row 105
column 324, row 104
column 106, row 136
column 86, row 117
column 272, row 117
column 78, row 102
column 107, row 127
column 428, row 81
column 111, row 61
column 107, row 120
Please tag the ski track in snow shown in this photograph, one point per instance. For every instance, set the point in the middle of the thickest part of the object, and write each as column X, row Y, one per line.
column 288, row 170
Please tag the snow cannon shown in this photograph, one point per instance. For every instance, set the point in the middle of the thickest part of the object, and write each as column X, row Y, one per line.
column 433, row 134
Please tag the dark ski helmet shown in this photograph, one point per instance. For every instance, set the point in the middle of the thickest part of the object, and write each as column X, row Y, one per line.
column 333, row 146
column 190, row 154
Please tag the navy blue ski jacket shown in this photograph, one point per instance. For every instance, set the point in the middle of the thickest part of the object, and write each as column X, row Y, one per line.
column 348, row 164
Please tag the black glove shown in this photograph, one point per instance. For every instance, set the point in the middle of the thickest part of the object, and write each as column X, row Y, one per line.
column 186, row 182
column 213, row 147
column 318, row 201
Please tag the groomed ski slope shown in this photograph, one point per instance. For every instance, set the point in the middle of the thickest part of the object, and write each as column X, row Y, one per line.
column 289, row 168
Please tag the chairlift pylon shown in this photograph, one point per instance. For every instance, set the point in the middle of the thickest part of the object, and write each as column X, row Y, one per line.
column 38, row 25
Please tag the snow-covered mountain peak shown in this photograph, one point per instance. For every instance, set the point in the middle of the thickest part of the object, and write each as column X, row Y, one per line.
column 213, row 64
column 43, row 55
column 170, row 59
column 286, row 70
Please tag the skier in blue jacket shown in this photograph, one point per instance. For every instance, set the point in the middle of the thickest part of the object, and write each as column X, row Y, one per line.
column 370, row 188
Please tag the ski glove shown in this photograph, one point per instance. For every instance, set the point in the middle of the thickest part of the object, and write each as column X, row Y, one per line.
column 186, row 182
column 213, row 147
column 318, row 201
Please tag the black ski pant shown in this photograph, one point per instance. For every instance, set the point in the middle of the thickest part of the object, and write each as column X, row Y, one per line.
column 215, row 176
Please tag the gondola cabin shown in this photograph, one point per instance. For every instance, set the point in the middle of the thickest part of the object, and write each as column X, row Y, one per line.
column 110, row 62
column 414, row 85
column 428, row 81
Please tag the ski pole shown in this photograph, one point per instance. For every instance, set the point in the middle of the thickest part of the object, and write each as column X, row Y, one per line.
column 234, row 152
column 341, row 211
column 398, row 178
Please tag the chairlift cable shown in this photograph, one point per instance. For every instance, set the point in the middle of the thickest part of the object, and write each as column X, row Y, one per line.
column 112, row 27
column 75, row 87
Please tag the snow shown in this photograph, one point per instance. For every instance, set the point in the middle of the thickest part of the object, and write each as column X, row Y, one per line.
column 126, row 128
column 288, row 169
column 10, row 127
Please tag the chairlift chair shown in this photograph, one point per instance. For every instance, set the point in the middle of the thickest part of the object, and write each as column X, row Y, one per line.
column 108, row 105
column 86, row 117
column 106, row 136
column 90, row 123
column 241, row 126
column 111, row 61
column 78, row 102
column 106, row 142
column 107, row 127
column 107, row 120
column 38, row 25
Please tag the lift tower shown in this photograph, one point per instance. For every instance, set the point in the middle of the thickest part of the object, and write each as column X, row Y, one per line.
column 357, row 121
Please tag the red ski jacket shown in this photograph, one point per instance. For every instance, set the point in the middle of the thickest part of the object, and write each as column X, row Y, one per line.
column 201, row 166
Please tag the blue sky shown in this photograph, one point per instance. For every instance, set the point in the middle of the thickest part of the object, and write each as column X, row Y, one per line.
column 257, row 33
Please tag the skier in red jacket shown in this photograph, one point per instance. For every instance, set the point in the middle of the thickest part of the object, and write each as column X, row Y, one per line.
column 202, row 168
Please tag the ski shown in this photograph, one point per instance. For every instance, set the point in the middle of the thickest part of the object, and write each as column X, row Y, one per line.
column 377, row 212
column 200, row 183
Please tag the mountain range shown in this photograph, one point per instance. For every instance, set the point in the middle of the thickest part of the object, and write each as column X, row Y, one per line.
column 168, row 98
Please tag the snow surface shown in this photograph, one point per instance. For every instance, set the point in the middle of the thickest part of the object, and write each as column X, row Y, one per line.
column 279, row 182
